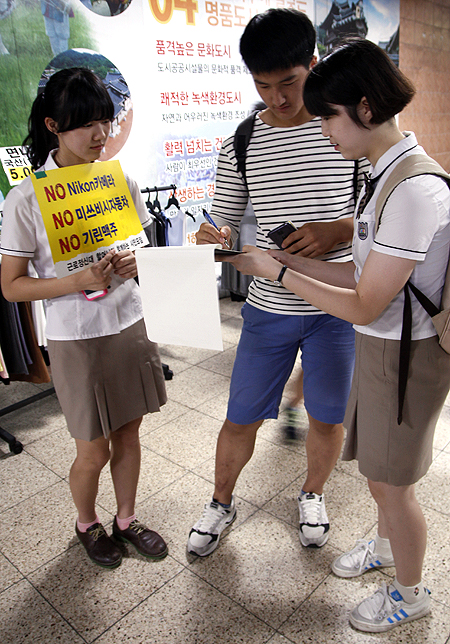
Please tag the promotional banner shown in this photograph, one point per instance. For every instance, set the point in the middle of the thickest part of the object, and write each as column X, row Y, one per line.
column 173, row 70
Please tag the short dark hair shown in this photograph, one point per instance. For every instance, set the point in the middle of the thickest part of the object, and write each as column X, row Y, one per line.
column 72, row 97
column 278, row 39
column 355, row 69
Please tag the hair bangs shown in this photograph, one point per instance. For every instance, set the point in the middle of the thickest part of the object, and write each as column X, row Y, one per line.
column 82, row 102
column 316, row 97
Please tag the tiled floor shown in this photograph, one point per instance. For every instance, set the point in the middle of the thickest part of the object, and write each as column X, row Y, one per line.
column 259, row 586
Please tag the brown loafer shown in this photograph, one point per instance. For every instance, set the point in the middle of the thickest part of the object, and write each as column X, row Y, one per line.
column 100, row 548
column 147, row 542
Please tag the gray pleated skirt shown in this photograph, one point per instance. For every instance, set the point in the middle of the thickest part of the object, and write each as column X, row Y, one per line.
column 103, row 383
column 388, row 452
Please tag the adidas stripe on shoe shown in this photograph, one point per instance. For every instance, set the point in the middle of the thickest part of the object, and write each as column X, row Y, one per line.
column 204, row 536
column 386, row 609
column 359, row 560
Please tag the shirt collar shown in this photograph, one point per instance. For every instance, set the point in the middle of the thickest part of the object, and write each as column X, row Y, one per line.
column 400, row 148
column 50, row 164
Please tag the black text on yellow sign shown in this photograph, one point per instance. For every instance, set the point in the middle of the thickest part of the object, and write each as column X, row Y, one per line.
column 20, row 172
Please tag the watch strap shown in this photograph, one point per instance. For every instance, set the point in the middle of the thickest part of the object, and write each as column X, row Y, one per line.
column 279, row 279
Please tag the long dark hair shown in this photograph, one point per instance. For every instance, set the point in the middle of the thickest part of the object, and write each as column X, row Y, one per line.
column 72, row 97
column 357, row 68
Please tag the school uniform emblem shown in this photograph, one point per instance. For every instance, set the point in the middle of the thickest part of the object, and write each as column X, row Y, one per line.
column 362, row 229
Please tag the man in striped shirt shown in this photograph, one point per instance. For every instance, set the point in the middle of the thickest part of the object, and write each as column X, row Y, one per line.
column 292, row 174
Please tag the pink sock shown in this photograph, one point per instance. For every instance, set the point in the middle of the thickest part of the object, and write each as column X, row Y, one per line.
column 123, row 524
column 83, row 527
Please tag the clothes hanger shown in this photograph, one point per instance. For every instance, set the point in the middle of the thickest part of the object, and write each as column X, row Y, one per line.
column 156, row 204
column 173, row 201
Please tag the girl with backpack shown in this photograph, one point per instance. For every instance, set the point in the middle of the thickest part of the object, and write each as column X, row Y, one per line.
column 357, row 91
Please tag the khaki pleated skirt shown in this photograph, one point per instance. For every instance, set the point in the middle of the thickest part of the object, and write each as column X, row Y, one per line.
column 103, row 383
column 388, row 452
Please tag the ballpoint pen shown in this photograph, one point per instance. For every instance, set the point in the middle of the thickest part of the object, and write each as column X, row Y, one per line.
column 210, row 220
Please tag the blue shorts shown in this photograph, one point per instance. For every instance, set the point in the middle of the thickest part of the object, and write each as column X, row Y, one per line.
column 266, row 355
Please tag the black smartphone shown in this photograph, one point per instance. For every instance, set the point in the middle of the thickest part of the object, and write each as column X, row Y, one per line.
column 279, row 234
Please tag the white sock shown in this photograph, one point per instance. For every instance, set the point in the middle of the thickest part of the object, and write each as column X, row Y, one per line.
column 383, row 547
column 411, row 594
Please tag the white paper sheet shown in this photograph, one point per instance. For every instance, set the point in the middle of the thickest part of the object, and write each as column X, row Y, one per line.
column 179, row 295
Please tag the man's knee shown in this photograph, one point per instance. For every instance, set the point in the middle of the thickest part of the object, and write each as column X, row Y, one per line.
column 234, row 429
column 325, row 429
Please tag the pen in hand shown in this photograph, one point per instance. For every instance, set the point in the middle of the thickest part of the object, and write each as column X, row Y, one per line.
column 210, row 220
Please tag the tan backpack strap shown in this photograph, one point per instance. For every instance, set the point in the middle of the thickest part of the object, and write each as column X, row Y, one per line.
column 411, row 166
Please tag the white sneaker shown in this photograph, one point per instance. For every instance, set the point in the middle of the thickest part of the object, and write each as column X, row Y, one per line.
column 204, row 536
column 359, row 560
column 314, row 525
column 386, row 609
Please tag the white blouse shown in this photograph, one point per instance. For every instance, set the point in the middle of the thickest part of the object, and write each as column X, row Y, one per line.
column 69, row 317
column 414, row 225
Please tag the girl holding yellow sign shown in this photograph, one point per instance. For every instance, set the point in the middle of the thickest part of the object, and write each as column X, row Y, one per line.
column 106, row 372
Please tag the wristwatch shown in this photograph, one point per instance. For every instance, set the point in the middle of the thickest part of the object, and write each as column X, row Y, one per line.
column 279, row 279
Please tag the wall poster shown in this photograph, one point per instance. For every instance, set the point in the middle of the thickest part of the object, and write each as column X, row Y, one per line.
column 172, row 68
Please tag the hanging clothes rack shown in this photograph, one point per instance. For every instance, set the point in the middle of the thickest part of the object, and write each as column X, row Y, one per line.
column 16, row 446
column 168, row 373
column 159, row 188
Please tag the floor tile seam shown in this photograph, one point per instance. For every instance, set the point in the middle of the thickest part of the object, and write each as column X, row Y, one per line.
column 288, row 639
column 189, row 365
column 202, row 402
column 236, row 496
column 244, row 608
column 288, row 485
column 44, row 489
column 436, row 601
column 27, row 578
column 165, row 487
column 306, row 598
column 275, row 628
column 217, row 372
column 165, row 457
column 49, row 603
column 14, row 431
column 278, row 444
column 424, row 504
column 188, row 469
column 139, row 603
column 188, row 410
column 203, row 367
column 11, row 563
column 164, row 423
column 27, row 574
column 356, row 476
column 41, row 462
column 439, row 452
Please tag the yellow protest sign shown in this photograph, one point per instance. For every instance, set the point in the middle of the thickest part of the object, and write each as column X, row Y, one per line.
column 87, row 210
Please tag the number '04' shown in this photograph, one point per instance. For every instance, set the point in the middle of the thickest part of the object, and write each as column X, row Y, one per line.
column 164, row 15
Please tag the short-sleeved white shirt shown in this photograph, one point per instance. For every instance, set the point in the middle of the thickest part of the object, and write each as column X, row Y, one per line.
column 414, row 225
column 69, row 317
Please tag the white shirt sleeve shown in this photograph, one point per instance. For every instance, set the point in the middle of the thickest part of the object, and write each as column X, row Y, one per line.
column 415, row 212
